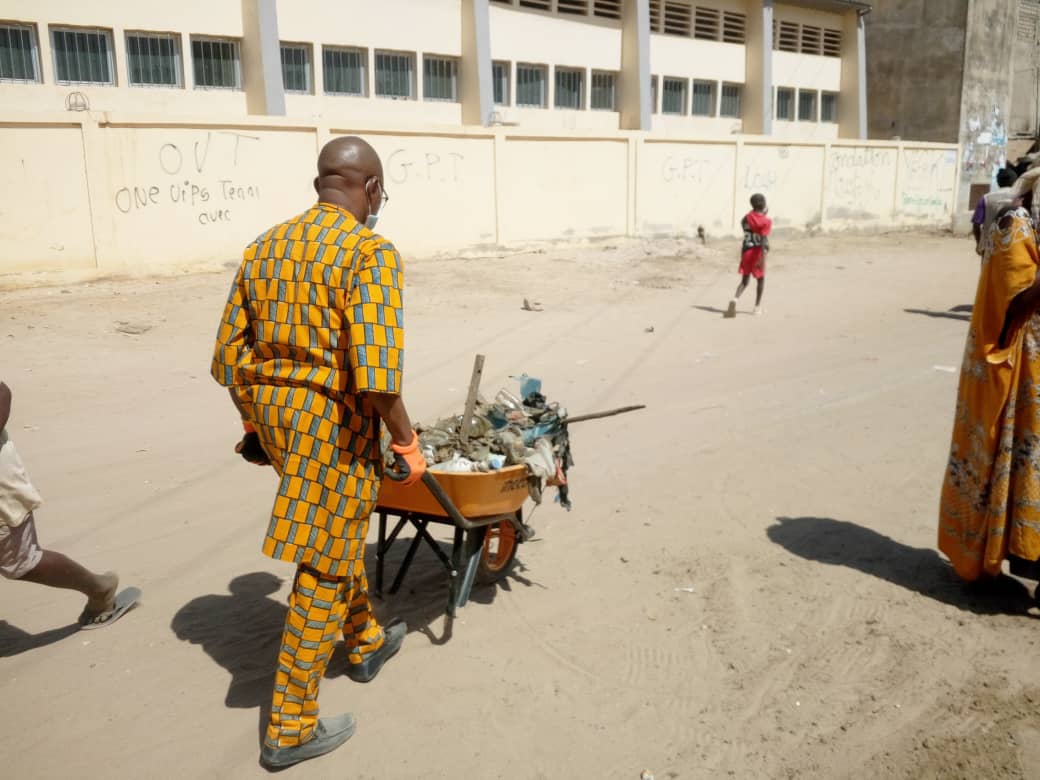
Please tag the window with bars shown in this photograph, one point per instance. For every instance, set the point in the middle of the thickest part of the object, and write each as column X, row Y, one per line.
column 607, row 9
column 575, row 7
column 786, row 36
column 395, row 75
column 707, row 23
column 440, row 78
column 82, row 56
column 673, row 96
column 19, row 54
column 216, row 63
column 730, row 101
column 296, row 67
column 734, row 27
column 703, row 98
column 829, row 107
column 832, row 43
column 570, row 88
column 811, row 39
column 344, row 70
column 604, row 91
column 807, row 105
column 532, row 83
column 153, row 59
column 677, row 18
column 653, row 94
column 500, row 82
column 785, row 103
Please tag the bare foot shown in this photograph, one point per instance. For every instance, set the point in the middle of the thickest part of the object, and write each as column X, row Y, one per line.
column 105, row 598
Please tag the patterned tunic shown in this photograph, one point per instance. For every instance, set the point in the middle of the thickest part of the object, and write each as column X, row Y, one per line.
column 990, row 507
column 313, row 322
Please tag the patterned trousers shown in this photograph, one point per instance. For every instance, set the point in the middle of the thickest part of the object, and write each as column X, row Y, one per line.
column 320, row 608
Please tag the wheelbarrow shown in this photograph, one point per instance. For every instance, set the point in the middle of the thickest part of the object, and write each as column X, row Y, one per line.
column 485, row 509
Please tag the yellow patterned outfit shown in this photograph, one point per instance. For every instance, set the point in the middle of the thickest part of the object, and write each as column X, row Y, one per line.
column 990, row 506
column 313, row 322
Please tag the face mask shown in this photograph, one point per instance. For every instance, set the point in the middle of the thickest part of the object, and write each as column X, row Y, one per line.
column 370, row 223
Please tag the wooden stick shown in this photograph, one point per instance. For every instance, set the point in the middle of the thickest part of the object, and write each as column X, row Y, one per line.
column 471, row 399
column 600, row 415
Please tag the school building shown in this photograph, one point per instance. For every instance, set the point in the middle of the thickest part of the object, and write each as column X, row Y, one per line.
column 793, row 69
column 145, row 133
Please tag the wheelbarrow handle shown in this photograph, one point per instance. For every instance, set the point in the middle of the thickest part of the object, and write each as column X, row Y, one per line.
column 446, row 503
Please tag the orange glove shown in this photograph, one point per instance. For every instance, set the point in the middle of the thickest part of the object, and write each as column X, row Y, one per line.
column 409, row 465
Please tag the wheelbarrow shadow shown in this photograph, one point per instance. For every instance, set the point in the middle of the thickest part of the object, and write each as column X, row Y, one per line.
column 421, row 599
column 921, row 570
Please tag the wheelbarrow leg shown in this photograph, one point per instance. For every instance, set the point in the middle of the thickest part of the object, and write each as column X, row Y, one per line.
column 380, row 553
column 473, row 549
column 420, row 526
column 454, row 581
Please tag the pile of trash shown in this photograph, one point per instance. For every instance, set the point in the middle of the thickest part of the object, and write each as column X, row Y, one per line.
column 508, row 431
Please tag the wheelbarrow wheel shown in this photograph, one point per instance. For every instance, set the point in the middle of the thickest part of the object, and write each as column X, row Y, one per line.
column 499, row 554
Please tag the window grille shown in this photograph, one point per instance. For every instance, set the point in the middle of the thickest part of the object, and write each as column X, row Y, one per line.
column 500, row 82
column 703, row 98
column 785, row 103
column 344, row 70
column 673, row 97
column 570, row 88
column 296, row 67
column 604, row 91
column 531, row 83
column 216, row 63
column 730, row 104
column 395, row 75
column 829, row 107
column 82, row 56
column 19, row 55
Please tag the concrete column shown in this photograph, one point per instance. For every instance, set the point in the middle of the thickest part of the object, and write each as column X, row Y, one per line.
column 852, row 101
column 634, row 80
column 262, row 58
column 475, row 85
column 758, row 83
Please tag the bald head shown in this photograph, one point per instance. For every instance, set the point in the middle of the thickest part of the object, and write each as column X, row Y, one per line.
column 350, row 175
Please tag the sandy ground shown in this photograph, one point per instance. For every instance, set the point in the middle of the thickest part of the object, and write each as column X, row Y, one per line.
column 787, row 470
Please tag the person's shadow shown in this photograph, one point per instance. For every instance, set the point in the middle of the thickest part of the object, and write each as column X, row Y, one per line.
column 962, row 313
column 242, row 629
column 241, row 632
column 922, row 570
column 14, row 640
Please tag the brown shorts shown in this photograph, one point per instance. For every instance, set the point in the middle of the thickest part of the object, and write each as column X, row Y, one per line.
column 19, row 549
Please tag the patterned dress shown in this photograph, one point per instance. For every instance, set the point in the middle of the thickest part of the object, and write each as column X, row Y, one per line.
column 313, row 321
column 990, row 506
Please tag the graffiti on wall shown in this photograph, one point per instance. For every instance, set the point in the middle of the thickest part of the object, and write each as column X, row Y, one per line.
column 201, row 176
column 985, row 146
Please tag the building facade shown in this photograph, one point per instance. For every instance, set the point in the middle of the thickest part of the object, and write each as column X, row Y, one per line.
column 956, row 71
column 790, row 69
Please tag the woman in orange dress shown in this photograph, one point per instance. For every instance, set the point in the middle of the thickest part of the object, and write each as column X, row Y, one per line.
column 990, row 506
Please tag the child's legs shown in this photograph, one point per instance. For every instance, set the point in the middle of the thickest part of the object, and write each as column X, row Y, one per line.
column 761, row 286
column 744, row 281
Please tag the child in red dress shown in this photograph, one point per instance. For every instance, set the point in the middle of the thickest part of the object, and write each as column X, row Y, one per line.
column 757, row 227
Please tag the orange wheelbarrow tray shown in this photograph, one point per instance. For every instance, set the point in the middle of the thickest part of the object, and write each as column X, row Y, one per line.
column 486, row 510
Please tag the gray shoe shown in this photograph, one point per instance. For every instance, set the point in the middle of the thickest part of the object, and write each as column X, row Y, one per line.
column 328, row 735
column 367, row 670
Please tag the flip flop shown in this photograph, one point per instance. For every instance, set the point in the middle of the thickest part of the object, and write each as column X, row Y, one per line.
column 124, row 601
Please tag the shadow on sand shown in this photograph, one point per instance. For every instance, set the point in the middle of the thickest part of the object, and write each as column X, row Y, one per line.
column 962, row 313
column 241, row 629
column 921, row 570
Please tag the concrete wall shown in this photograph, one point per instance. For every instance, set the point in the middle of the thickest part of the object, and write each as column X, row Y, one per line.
column 112, row 193
column 1025, row 68
column 915, row 68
